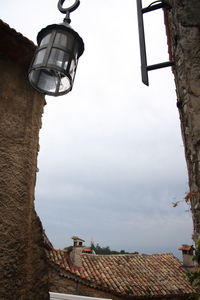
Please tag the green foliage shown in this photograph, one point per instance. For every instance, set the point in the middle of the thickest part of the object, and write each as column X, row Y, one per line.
column 106, row 250
column 194, row 277
column 197, row 252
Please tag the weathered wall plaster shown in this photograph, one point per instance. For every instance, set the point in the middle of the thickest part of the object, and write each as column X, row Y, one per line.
column 23, row 274
column 184, row 24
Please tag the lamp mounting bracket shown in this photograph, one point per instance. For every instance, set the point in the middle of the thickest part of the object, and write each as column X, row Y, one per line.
column 140, row 11
column 67, row 10
column 156, row 5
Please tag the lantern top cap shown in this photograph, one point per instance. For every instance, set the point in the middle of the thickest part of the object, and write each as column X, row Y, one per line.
column 68, row 10
column 62, row 27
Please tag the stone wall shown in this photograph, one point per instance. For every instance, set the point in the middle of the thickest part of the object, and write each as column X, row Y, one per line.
column 23, row 273
column 61, row 284
column 184, row 35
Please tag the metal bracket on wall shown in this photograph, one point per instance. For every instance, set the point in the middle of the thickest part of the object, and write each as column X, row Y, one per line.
column 140, row 11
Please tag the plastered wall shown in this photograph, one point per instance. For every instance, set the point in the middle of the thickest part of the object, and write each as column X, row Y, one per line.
column 184, row 25
column 23, row 273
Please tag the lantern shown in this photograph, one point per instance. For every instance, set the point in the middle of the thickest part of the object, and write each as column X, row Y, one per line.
column 55, row 61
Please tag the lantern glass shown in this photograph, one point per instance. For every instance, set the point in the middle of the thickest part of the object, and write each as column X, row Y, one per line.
column 56, row 58
column 50, row 81
column 45, row 40
column 39, row 57
column 64, row 40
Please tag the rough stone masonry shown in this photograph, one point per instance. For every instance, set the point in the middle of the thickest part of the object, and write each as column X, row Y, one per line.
column 183, row 21
column 23, row 273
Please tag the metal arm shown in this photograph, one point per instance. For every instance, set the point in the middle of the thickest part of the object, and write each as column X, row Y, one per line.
column 144, row 67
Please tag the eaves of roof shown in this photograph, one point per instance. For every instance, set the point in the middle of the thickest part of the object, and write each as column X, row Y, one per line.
column 15, row 46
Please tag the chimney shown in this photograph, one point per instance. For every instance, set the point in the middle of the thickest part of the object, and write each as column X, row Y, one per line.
column 187, row 252
column 76, row 252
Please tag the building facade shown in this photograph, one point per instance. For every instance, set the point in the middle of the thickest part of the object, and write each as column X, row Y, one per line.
column 183, row 30
column 23, row 272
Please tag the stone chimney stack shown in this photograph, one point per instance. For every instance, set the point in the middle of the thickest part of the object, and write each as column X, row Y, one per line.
column 187, row 252
column 76, row 252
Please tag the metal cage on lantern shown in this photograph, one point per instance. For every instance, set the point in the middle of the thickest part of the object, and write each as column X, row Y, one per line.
column 55, row 61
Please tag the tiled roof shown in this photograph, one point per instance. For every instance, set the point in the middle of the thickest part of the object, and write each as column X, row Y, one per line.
column 87, row 249
column 15, row 46
column 77, row 238
column 136, row 275
column 186, row 247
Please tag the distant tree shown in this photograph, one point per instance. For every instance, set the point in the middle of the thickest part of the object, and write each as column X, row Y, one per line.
column 68, row 249
column 107, row 251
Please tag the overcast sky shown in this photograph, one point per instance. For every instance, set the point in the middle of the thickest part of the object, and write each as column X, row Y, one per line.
column 111, row 158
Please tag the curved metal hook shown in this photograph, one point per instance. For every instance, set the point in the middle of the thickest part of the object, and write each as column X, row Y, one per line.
column 69, row 9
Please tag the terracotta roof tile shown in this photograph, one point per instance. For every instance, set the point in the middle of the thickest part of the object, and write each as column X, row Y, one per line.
column 132, row 274
column 89, row 249
column 186, row 247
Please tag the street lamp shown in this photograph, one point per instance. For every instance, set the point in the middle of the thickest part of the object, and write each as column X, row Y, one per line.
column 53, row 69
